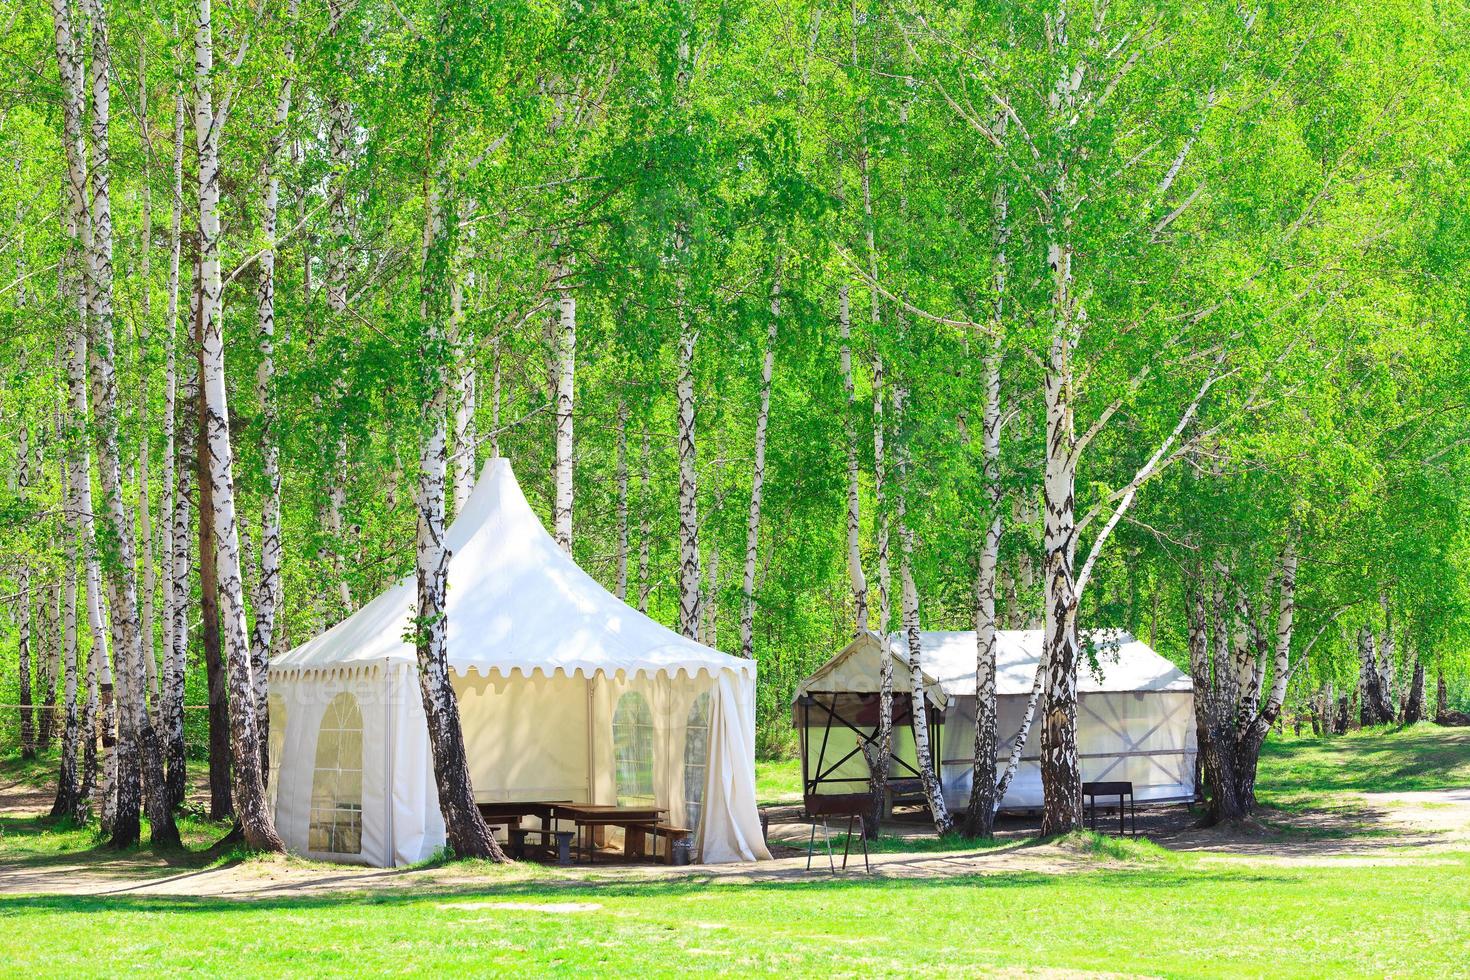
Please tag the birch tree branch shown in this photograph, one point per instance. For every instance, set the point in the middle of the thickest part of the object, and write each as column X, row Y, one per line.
column 1147, row 471
column 868, row 280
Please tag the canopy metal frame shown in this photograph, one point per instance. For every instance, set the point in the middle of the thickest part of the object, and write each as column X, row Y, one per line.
column 823, row 776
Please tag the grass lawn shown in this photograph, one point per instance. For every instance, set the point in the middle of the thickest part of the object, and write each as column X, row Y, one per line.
column 1320, row 771
column 1180, row 919
column 777, row 781
column 1134, row 909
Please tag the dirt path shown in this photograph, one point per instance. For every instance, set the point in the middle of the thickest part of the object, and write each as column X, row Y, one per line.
column 19, row 799
column 1378, row 832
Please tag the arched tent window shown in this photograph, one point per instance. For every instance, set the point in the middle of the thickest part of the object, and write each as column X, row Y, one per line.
column 633, row 750
column 276, row 717
column 336, row 785
column 696, row 759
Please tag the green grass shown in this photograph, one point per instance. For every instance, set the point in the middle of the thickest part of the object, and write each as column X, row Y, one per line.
column 1184, row 920
column 30, row 840
column 1298, row 773
column 38, row 770
column 778, row 781
column 1134, row 908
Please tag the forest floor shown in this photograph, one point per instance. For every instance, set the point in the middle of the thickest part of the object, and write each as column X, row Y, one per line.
column 1358, row 868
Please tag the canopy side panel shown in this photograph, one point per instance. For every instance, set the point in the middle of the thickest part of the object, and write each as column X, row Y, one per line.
column 731, row 827
column 525, row 737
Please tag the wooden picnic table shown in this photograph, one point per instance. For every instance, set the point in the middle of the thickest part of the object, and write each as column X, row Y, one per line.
column 637, row 822
column 510, row 813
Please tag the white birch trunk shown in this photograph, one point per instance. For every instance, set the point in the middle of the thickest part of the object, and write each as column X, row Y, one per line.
column 465, row 829
column 82, row 740
column 849, row 427
column 339, row 135
column 50, row 665
column 175, row 657
column 566, row 369
column 495, row 398
column 645, row 526
column 880, row 506
column 99, row 769
column 1060, row 767
column 622, row 480
column 923, row 755
column 269, row 591
column 462, row 346
column 23, row 608
column 880, row 759
column 980, row 819
column 1281, row 670
column 68, row 783
column 122, row 586
column 145, row 500
column 1386, row 660
column 255, row 817
column 758, row 475
column 689, row 565
column 174, row 597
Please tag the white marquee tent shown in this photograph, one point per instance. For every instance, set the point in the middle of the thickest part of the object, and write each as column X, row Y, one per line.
column 565, row 693
column 1135, row 715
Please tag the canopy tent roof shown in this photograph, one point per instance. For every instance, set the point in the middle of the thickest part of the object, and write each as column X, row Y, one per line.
column 517, row 602
column 947, row 663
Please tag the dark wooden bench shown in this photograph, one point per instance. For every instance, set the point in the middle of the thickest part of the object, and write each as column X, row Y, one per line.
column 821, row 807
column 1123, row 790
column 548, row 838
column 656, row 832
column 588, row 818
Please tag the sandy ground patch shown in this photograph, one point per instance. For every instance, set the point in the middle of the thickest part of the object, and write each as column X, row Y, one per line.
column 22, row 799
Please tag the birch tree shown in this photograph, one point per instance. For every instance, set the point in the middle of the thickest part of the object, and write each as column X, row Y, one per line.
column 980, row 817
column 256, row 821
column 462, row 344
column 1231, row 655
column 566, row 373
column 339, row 141
column 23, row 609
column 174, row 511
column 758, row 474
column 924, row 759
column 854, row 494
column 268, row 593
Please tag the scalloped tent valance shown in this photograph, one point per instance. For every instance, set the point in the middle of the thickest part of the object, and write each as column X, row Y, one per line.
column 517, row 604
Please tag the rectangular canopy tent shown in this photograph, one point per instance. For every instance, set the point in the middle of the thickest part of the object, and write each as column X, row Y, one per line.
column 1135, row 715
column 565, row 693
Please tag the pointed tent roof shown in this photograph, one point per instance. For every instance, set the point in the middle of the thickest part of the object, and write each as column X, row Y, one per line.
column 516, row 602
column 947, row 663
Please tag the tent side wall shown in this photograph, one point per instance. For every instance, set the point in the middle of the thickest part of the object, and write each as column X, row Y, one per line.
column 684, row 742
column 351, row 772
column 525, row 737
column 1144, row 737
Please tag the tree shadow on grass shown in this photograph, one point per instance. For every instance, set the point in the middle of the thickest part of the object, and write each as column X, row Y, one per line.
column 33, row 846
column 857, row 888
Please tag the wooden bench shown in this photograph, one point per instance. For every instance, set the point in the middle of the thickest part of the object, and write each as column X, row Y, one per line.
column 561, row 839
column 588, row 818
column 659, row 831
